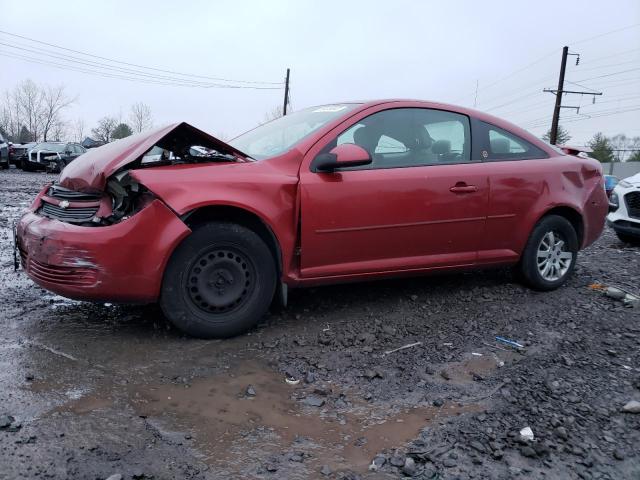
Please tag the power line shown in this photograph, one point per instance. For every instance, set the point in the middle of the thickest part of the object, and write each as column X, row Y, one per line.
column 112, row 75
column 528, row 95
column 582, row 117
column 533, row 86
column 138, row 65
column 515, row 72
column 100, row 65
column 599, row 67
column 555, row 51
column 609, row 74
column 606, row 33
column 544, row 119
column 609, row 57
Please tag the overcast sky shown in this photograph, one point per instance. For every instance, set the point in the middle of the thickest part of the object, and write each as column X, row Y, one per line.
column 338, row 50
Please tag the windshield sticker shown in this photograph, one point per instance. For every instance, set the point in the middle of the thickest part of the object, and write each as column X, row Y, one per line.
column 329, row 109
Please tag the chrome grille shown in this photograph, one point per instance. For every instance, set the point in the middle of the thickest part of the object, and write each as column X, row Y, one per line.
column 69, row 214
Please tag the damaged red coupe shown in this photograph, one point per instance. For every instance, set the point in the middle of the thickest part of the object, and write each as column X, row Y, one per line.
column 216, row 231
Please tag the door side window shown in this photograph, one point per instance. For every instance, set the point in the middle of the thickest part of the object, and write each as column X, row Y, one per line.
column 444, row 137
column 409, row 137
column 502, row 145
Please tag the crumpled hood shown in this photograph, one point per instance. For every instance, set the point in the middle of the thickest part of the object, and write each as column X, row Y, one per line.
column 90, row 171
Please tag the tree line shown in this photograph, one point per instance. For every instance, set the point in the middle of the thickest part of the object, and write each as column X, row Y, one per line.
column 32, row 112
column 618, row 148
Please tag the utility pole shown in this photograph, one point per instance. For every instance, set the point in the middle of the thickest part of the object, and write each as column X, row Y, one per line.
column 475, row 99
column 286, row 95
column 553, row 135
column 556, row 109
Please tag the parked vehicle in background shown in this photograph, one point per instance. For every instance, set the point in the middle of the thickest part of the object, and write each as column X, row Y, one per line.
column 4, row 152
column 624, row 210
column 610, row 182
column 52, row 156
column 18, row 153
column 335, row 193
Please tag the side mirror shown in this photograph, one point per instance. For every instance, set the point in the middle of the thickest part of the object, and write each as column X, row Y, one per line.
column 342, row 156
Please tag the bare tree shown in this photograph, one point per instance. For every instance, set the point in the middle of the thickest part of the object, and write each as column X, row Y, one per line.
column 78, row 130
column 622, row 146
column 105, row 128
column 58, row 130
column 54, row 101
column 10, row 115
column 7, row 123
column 275, row 112
column 30, row 101
column 140, row 117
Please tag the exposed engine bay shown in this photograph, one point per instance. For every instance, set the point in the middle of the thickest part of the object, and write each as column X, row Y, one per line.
column 122, row 196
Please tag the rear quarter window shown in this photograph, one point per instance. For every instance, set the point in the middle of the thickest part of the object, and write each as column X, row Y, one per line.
column 498, row 144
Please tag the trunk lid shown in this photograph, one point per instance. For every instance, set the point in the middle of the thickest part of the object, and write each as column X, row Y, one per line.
column 90, row 171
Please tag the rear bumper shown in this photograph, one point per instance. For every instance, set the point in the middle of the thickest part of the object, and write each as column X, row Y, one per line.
column 594, row 215
column 123, row 262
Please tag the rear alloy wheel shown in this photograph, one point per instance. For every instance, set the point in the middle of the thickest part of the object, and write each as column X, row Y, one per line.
column 550, row 254
column 219, row 281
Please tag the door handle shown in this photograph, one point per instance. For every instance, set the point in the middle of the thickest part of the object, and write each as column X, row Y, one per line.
column 463, row 188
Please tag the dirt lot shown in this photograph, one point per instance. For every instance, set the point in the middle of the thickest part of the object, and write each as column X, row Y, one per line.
column 96, row 390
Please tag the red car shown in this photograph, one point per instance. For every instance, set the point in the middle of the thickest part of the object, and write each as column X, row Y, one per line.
column 344, row 192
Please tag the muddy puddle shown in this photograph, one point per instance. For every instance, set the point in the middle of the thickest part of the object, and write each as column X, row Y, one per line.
column 475, row 366
column 225, row 424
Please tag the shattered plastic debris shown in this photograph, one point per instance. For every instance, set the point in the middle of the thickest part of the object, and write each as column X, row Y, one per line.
column 292, row 381
column 598, row 286
column 408, row 345
column 511, row 343
column 527, row 434
column 617, row 293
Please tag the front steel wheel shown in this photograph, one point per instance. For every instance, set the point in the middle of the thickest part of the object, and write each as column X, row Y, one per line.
column 219, row 282
column 550, row 254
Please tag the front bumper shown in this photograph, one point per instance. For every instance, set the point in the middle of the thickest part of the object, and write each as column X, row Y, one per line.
column 619, row 218
column 625, row 226
column 123, row 262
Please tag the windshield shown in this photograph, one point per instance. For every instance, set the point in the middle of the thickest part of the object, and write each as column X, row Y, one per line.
column 52, row 147
column 280, row 135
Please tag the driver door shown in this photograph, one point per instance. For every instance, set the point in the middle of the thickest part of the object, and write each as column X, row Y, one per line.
column 420, row 204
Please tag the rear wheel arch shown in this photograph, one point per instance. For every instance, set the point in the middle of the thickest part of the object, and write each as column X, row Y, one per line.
column 239, row 216
column 572, row 215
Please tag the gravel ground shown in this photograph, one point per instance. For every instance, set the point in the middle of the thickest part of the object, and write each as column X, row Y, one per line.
column 317, row 390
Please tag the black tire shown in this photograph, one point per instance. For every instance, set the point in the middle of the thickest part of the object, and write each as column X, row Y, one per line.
column 219, row 281
column 626, row 238
column 528, row 266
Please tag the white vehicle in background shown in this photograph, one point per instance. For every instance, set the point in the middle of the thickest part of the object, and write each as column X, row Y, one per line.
column 624, row 210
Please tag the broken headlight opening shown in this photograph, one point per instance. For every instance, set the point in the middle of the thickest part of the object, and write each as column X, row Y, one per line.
column 158, row 156
column 127, row 198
